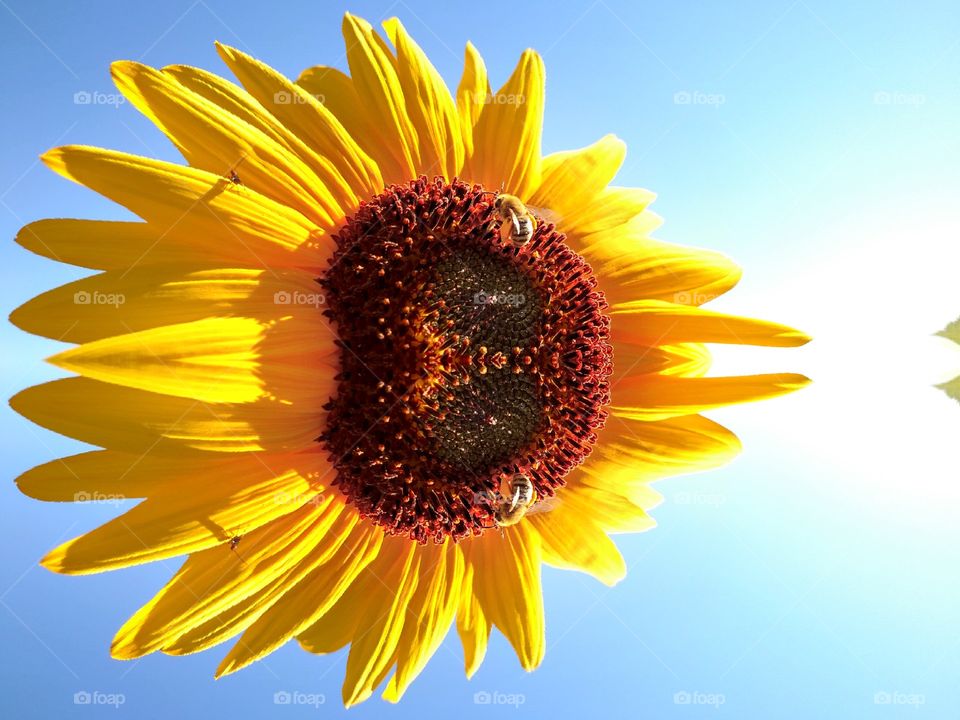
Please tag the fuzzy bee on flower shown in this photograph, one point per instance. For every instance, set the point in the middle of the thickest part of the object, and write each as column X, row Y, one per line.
column 517, row 223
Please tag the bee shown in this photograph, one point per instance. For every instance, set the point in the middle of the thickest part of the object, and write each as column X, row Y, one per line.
column 516, row 222
column 516, row 497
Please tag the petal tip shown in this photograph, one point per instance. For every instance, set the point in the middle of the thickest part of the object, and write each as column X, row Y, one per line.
column 799, row 338
column 227, row 53
column 125, row 72
column 54, row 157
column 16, row 317
column 123, row 649
column 20, row 400
column 62, row 359
column 54, row 561
column 355, row 698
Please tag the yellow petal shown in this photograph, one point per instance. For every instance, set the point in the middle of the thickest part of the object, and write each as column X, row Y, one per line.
column 429, row 106
column 103, row 414
column 659, row 397
column 472, row 94
column 613, row 510
column 108, row 245
column 658, row 322
column 193, row 515
column 204, row 207
column 374, row 647
column 686, row 359
column 431, row 612
column 118, row 302
column 108, row 474
column 336, row 628
column 262, row 593
column 572, row 541
column 299, row 605
column 631, row 453
column 215, row 360
column 213, row 581
column 573, row 178
column 610, row 208
column 324, row 138
column 215, row 140
column 506, row 138
column 336, row 91
column 234, row 101
column 472, row 625
column 506, row 581
column 631, row 266
column 378, row 87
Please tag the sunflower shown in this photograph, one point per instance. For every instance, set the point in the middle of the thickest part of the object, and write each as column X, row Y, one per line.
column 369, row 358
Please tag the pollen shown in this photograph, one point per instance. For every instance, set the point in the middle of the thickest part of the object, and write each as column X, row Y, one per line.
column 463, row 360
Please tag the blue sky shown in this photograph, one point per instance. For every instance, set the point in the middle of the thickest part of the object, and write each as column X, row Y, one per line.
column 814, row 142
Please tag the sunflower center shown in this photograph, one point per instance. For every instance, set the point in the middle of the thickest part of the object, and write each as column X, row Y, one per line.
column 465, row 359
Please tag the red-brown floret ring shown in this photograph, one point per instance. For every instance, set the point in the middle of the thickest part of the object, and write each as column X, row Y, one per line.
column 462, row 359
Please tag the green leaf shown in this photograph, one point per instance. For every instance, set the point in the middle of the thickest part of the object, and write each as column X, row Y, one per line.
column 951, row 332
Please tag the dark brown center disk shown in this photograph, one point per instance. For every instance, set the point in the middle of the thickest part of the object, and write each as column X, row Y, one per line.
column 463, row 359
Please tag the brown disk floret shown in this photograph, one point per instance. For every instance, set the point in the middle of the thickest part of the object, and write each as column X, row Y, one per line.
column 463, row 359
